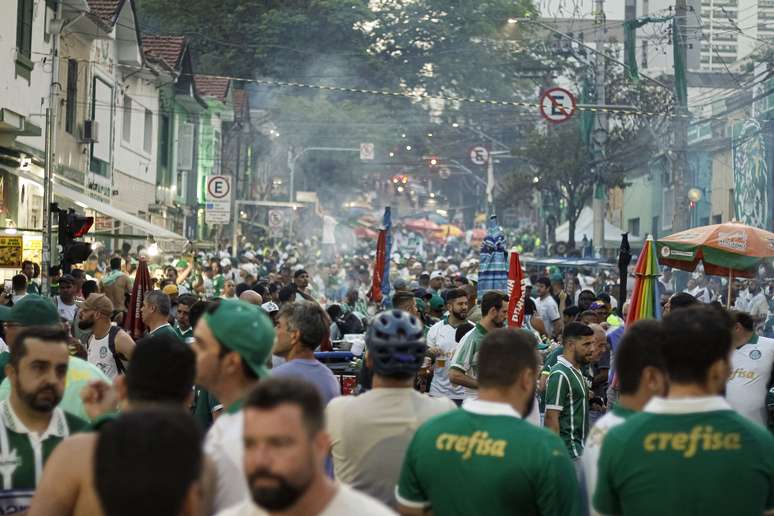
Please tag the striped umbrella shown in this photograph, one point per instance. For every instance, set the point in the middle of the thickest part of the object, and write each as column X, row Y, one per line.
column 644, row 303
column 493, row 269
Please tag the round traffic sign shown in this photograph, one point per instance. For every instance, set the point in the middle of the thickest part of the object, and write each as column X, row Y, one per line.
column 218, row 187
column 557, row 105
column 479, row 155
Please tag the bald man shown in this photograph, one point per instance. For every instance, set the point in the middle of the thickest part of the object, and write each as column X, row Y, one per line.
column 252, row 297
column 599, row 369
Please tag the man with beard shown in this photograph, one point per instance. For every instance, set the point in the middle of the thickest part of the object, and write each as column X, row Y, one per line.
column 464, row 364
column 31, row 424
column 567, row 393
column 232, row 342
column 442, row 344
column 301, row 282
column 285, row 446
column 109, row 346
column 508, row 465
column 37, row 311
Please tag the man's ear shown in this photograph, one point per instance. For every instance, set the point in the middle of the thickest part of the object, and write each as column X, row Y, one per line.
column 10, row 373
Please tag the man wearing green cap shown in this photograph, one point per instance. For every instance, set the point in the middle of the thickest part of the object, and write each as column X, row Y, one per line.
column 232, row 342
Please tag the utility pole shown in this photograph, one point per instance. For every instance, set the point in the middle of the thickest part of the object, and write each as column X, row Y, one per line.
column 600, row 130
column 680, row 216
column 51, row 115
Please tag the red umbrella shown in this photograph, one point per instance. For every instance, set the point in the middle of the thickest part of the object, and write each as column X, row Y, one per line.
column 142, row 285
column 365, row 233
column 516, row 292
column 421, row 225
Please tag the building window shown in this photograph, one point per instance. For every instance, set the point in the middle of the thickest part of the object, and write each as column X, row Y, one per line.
column 654, row 227
column 24, row 17
column 127, row 129
column 147, row 143
column 634, row 227
column 164, row 142
column 72, row 95
column 216, row 153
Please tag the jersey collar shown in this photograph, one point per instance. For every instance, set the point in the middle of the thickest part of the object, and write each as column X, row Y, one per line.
column 157, row 329
column 566, row 362
column 57, row 426
column 659, row 405
column 489, row 408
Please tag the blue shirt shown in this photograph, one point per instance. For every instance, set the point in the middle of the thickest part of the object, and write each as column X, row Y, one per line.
column 314, row 372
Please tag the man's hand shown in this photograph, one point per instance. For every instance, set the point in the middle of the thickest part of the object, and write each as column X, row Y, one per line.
column 435, row 351
column 98, row 398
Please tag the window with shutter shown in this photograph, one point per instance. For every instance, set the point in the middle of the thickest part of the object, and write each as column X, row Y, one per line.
column 147, row 143
column 127, row 122
column 24, row 16
column 72, row 95
column 185, row 147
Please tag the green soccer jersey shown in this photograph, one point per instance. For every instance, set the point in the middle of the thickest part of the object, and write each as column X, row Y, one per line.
column 23, row 453
column 568, row 392
column 466, row 356
column 183, row 334
column 165, row 329
column 686, row 456
column 485, row 459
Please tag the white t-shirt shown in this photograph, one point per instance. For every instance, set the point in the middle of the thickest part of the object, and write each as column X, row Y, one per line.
column 549, row 313
column 66, row 311
column 346, row 502
column 223, row 445
column 593, row 446
column 747, row 386
column 99, row 355
column 442, row 335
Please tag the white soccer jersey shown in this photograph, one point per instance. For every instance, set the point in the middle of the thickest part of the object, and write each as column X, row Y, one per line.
column 748, row 384
column 441, row 335
column 593, row 446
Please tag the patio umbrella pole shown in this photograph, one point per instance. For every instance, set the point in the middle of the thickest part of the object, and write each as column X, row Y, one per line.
column 730, row 280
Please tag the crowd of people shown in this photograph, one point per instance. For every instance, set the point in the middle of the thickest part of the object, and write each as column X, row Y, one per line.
column 227, row 402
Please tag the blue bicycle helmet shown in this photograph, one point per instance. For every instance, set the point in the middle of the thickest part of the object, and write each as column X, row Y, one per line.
column 396, row 342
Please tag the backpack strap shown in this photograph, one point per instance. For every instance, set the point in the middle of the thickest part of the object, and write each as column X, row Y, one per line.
column 112, row 333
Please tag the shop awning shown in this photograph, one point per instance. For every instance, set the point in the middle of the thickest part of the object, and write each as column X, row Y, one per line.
column 111, row 211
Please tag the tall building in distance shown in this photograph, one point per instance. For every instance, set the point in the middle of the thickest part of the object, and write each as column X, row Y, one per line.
column 721, row 34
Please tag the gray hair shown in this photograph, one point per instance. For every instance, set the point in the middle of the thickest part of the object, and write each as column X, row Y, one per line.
column 160, row 300
column 309, row 319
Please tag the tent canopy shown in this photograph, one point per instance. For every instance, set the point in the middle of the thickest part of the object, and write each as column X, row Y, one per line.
column 585, row 226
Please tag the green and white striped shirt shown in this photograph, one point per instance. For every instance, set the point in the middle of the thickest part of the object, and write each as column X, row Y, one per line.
column 568, row 392
column 23, row 453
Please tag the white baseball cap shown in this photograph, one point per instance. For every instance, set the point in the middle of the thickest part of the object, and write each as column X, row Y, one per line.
column 436, row 274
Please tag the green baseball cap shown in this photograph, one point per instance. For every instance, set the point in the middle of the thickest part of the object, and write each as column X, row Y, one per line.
column 31, row 310
column 436, row 302
column 421, row 306
column 245, row 329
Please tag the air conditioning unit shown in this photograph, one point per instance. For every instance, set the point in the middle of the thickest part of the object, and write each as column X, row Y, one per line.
column 90, row 132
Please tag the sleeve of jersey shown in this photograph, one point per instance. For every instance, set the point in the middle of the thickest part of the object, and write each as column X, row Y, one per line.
column 557, row 485
column 409, row 491
column 605, row 499
column 461, row 358
column 556, row 391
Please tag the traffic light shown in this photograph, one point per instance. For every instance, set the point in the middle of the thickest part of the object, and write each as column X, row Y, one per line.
column 72, row 226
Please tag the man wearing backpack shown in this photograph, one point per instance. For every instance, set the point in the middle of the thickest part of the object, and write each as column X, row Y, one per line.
column 109, row 346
